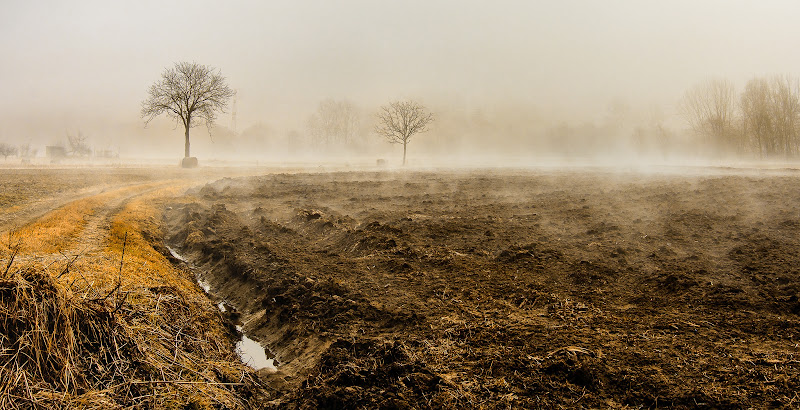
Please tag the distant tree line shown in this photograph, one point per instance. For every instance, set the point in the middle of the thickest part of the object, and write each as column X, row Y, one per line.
column 764, row 119
column 77, row 147
column 22, row 151
column 334, row 123
column 761, row 121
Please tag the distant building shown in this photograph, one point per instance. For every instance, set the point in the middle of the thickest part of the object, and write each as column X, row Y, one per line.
column 106, row 153
column 56, row 151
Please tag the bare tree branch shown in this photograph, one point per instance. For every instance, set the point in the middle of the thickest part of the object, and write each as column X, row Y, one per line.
column 710, row 109
column 78, row 145
column 334, row 123
column 190, row 94
column 400, row 120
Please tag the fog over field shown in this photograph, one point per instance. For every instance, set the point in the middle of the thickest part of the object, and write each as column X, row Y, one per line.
column 395, row 204
column 506, row 81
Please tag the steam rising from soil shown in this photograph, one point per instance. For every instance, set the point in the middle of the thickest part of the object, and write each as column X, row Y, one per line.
column 532, row 289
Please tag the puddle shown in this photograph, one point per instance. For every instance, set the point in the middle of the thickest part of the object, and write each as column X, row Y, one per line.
column 203, row 284
column 176, row 255
column 250, row 352
column 253, row 354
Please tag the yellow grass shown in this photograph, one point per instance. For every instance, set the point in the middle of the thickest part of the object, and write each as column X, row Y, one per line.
column 156, row 311
column 53, row 232
column 56, row 230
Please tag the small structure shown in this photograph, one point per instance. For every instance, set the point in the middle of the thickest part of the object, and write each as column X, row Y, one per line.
column 106, row 153
column 56, row 151
column 189, row 162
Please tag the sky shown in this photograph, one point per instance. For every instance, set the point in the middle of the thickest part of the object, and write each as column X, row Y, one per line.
column 87, row 64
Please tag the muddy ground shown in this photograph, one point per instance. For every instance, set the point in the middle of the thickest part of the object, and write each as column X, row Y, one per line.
column 526, row 289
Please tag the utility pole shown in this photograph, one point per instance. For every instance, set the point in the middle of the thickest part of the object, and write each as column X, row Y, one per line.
column 233, row 112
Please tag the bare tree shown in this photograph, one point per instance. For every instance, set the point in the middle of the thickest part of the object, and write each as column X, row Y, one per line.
column 78, row 145
column 771, row 115
column 757, row 116
column 25, row 151
column 618, row 113
column 400, row 120
column 335, row 122
column 6, row 150
column 653, row 136
column 191, row 94
column 710, row 109
column 785, row 114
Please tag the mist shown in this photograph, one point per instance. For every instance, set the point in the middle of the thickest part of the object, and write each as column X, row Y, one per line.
column 505, row 81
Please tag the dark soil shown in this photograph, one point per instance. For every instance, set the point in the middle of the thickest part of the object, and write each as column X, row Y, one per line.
column 569, row 289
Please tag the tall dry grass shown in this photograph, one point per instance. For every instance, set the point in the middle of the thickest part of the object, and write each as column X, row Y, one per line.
column 103, row 330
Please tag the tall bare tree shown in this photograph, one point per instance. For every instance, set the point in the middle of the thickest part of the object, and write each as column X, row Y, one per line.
column 710, row 109
column 786, row 114
column 757, row 116
column 190, row 93
column 335, row 122
column 400, row 120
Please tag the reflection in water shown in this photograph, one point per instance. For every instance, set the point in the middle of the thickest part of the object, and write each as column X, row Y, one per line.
column 250, row 352
column 253, row 354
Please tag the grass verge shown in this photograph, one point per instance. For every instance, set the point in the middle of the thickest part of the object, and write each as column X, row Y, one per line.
column 117, row 327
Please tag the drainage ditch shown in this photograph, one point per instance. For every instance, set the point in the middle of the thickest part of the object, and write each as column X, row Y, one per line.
column 250, row 352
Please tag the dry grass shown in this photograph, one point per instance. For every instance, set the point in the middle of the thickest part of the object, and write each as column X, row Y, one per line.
column 102, row 331
column 57, row 230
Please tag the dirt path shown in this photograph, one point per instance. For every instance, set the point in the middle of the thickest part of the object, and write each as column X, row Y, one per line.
column 20, row 216
column 154, row 340
column 79, row 226
column 27, row 195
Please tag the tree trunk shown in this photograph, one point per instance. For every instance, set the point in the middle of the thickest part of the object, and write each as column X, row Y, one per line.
column 186, row 149
column 404, row 152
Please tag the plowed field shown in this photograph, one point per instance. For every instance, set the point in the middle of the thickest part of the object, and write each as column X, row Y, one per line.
column 580, row 288
column 531, row 289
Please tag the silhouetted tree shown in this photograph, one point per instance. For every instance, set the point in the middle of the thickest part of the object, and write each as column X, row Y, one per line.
column 25, row 151
column 334, row 123
column 400, row 120
column 710, row 109
column 190, row 93
column 785, row 114
column 757, row 116
column 771, row 115
column 6, row 150
column 78, row 145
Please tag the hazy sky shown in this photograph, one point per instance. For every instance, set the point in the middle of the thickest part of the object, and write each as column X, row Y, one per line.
column 88, row 64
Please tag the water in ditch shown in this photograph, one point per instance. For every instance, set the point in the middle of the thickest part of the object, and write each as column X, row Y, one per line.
column 250, row 352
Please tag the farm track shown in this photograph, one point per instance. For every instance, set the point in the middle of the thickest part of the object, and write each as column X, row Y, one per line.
column 22, row 216
column 101, row 251
column 90, row 231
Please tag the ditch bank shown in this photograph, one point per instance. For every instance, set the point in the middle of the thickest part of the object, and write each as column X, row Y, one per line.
column 251, row 352
column 332, row 347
